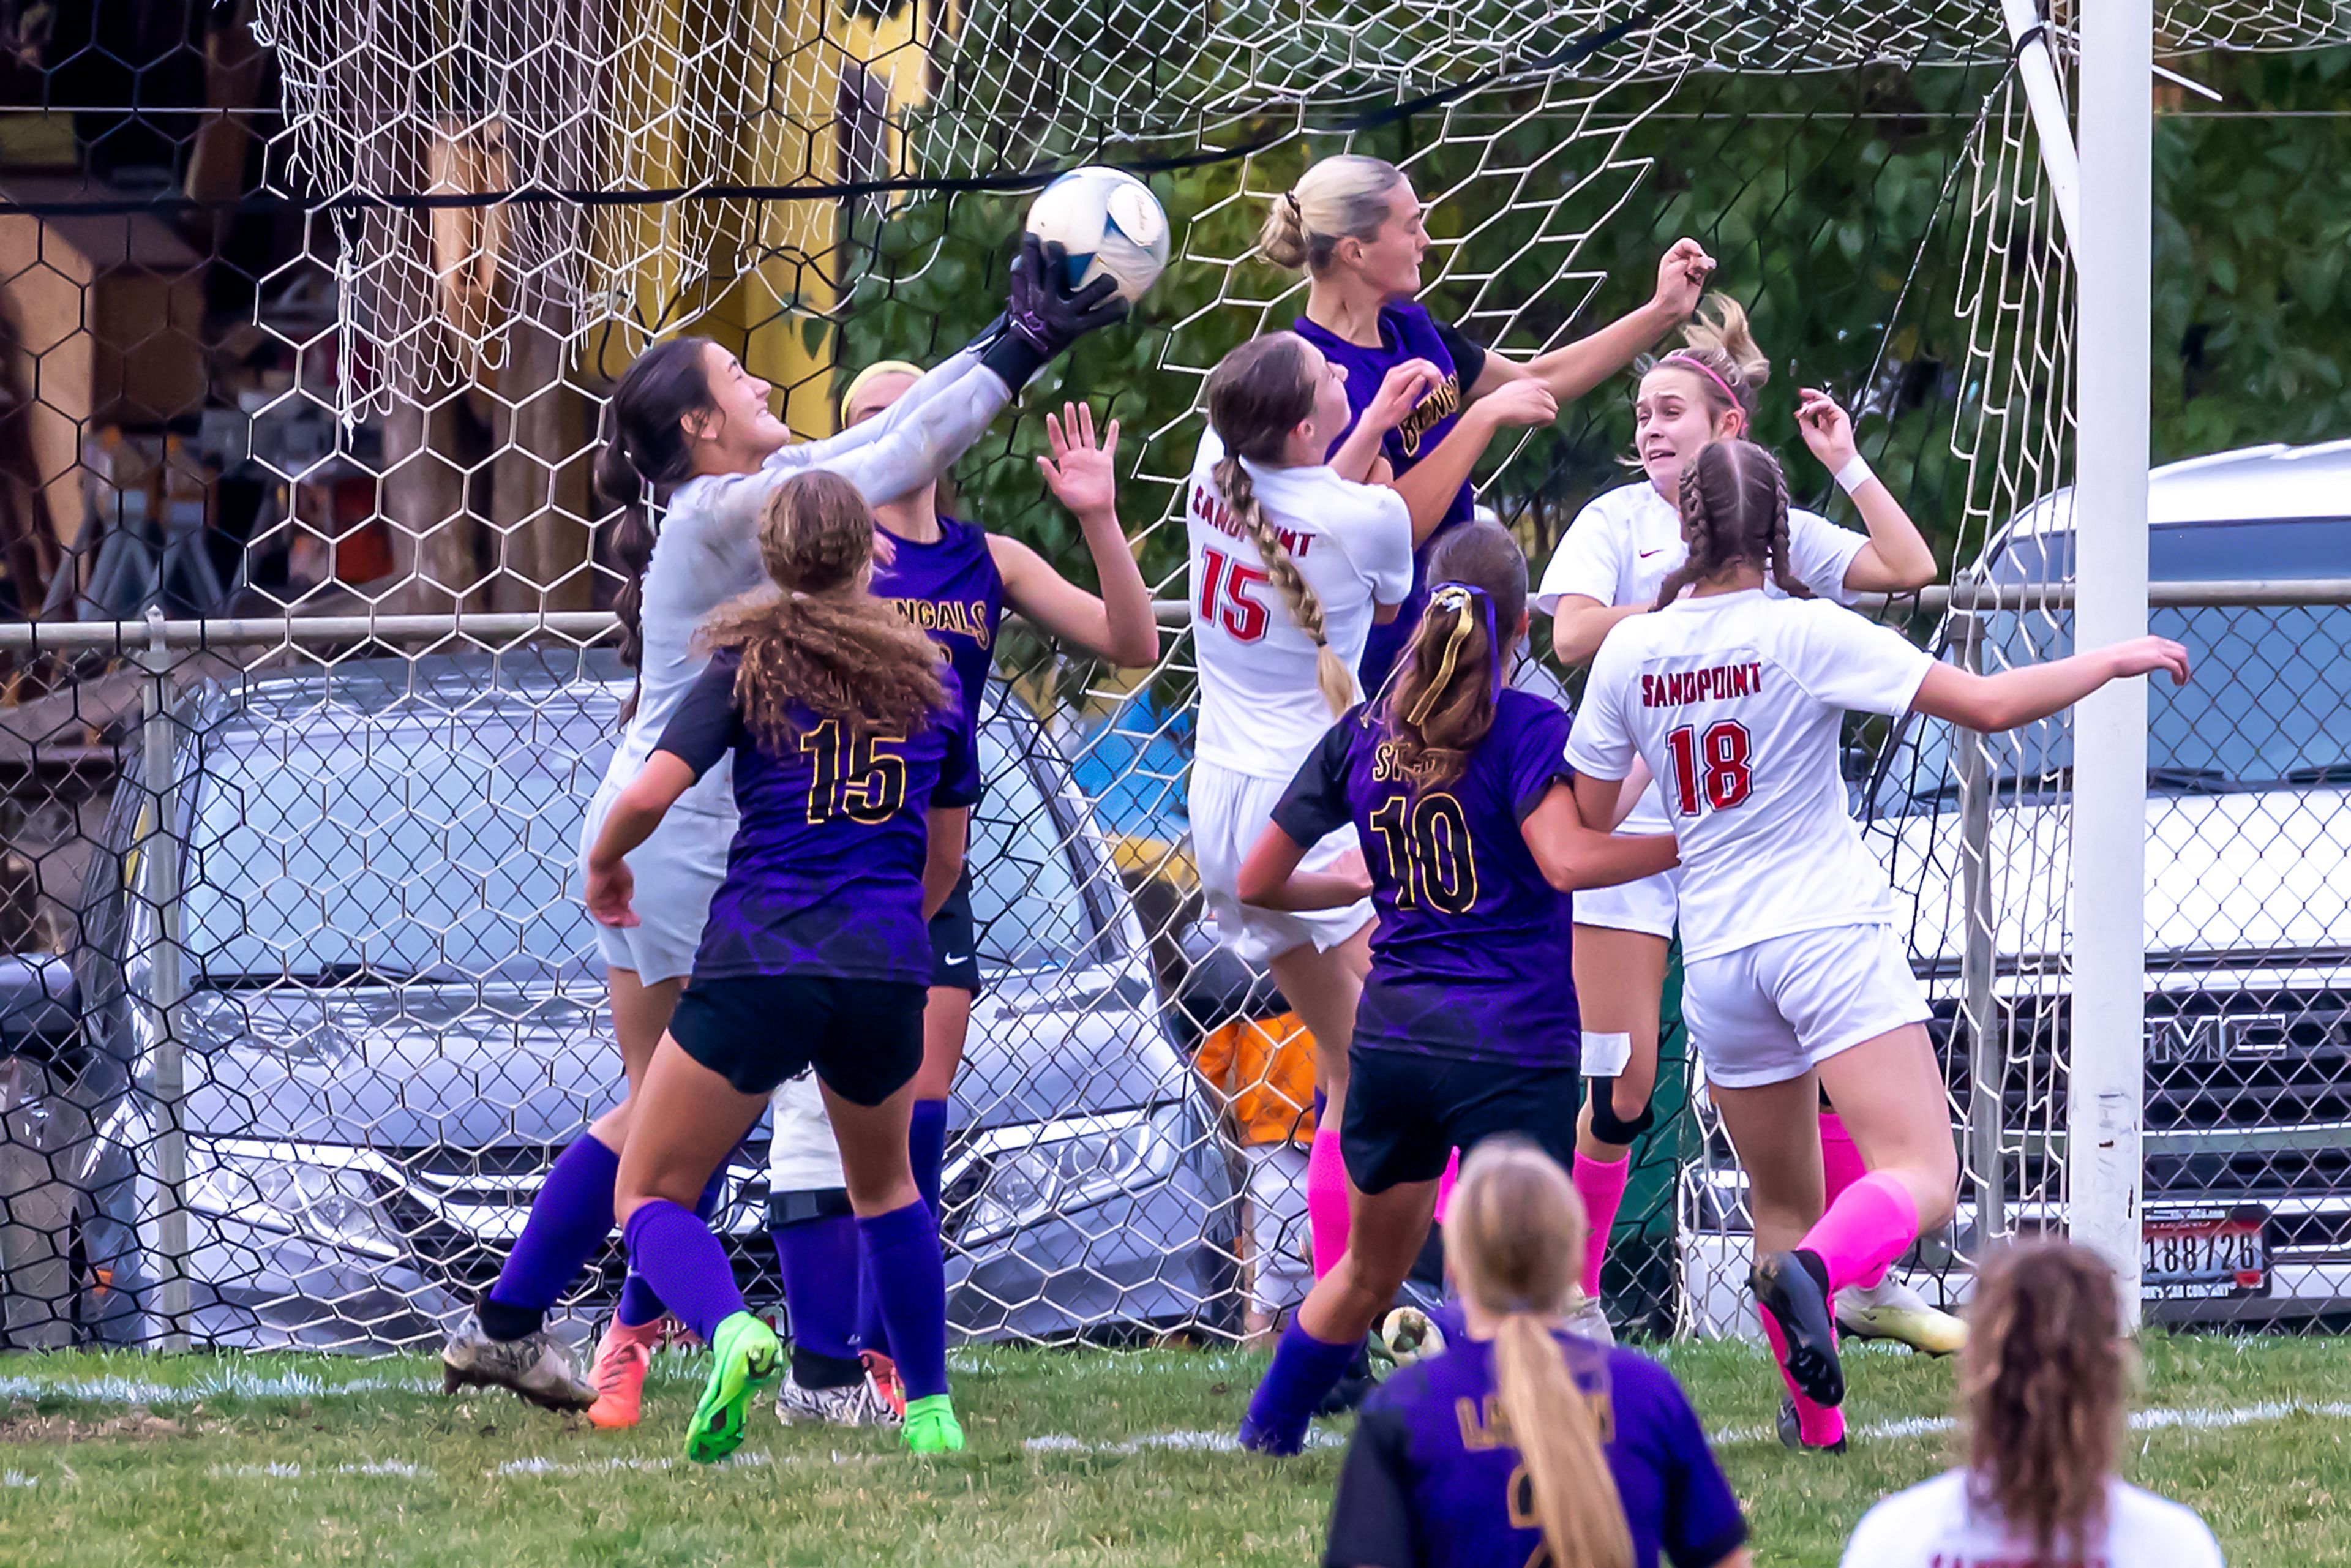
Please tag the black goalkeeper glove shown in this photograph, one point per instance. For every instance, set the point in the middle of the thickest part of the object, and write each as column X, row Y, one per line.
column 1042, row 316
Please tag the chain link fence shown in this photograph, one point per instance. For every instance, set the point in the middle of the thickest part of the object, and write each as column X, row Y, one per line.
column 307, row 316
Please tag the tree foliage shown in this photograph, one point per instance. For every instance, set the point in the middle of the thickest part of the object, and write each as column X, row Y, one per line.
column 1827, row 199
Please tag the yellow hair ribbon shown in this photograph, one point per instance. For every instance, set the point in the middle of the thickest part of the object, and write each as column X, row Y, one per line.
column 1464, row 607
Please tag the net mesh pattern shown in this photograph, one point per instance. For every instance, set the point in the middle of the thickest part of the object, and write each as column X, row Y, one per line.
column 323, row 1005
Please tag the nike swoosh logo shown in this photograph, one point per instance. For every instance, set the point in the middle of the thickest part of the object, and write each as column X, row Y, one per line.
column 955, row 957
column 1647, row 553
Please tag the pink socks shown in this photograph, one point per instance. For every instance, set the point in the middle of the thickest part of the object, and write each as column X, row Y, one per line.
column 1840, row 1164
column 1600, row 1184
column 1326, row 1199
column 1820, row 1426
column 1866, row 1228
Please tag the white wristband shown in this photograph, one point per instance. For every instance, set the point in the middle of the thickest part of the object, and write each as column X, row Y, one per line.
column 1854, row 474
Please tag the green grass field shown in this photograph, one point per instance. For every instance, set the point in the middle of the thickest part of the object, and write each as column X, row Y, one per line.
column 1076, row 1459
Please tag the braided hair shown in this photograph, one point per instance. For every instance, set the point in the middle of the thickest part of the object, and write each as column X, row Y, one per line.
column 1257, row 395
column 1734, row 506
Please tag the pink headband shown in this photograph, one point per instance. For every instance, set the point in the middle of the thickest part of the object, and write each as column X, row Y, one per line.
column 1682, row 356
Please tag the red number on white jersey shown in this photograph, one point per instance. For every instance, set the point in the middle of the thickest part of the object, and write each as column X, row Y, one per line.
column 1225, row 585
column 1718, row 762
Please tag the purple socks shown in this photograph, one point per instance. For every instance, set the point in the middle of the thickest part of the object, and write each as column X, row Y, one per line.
column 820, row 1266
column 926, row 1151
column 684, row 1264
column 902, row 1253
column 1304, row 1369
column 638, row 1304
column 569, row 1220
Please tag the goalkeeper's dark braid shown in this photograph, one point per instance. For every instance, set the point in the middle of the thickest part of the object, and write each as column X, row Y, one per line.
column 1257, row 395
column 1734, row 506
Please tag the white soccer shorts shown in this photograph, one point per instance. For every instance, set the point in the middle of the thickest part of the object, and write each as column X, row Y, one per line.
column 1772, row 1011
column 1228, row 811
column 677, row 871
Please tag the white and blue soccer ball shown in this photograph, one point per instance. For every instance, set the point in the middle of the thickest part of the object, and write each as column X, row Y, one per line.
column 1110, row 223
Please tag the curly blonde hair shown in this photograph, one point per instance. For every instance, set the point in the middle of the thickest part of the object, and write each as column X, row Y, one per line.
column 816, row 640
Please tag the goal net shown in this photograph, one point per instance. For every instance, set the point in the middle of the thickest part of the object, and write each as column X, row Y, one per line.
column 347, row 887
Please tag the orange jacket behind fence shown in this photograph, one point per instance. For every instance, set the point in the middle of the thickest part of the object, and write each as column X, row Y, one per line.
column 1262, row 1070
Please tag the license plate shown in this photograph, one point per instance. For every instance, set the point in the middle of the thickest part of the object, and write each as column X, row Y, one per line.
column 2190, row 1258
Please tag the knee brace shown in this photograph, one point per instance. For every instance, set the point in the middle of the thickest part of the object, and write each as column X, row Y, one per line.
column 1611, row 1128
column 787, row 1208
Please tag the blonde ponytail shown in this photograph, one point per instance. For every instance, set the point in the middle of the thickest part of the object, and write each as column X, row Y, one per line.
column 1514, row 1242
column 1554, row 1428
column 1343, row 197
column 1719, row 351
column 1337, row 685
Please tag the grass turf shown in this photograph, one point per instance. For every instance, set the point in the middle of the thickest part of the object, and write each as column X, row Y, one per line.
column 285, row 1459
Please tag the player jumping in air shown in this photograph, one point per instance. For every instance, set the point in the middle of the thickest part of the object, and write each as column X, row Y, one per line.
column 1795, row 980
column 952, row 580
column 1608, row 567
column 1456, row 785
column 1293, row 562
column 1354, row 224
column 694, row 444
column 1521, row 1443
column 851, row 759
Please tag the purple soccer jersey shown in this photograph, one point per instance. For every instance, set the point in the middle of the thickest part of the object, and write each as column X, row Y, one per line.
column 1407, row 331
column 1432, row 1479
column 952, row 591
column 1470, row 957
column 825, row 875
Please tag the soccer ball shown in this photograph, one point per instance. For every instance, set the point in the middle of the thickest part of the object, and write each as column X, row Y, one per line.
column 1110, row 223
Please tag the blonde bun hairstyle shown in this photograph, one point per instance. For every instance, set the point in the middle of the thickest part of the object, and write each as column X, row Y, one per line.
column 1342, row 197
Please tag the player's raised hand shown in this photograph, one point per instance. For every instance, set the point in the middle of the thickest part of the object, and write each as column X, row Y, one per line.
column 2145, row 655
column 1827, row 427
column 1682, row 273
column 611, row 889
column 1082, row 472
column 1525, row 402
column 1400, row 392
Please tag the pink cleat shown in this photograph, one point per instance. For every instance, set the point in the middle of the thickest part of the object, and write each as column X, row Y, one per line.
column 622, row 1357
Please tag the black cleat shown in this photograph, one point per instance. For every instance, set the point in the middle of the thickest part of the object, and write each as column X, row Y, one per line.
column 1350, row 1392
column 1789, row 1286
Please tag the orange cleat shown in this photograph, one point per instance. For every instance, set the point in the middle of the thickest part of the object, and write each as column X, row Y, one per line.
column 622, row 1357
column 883, row 1374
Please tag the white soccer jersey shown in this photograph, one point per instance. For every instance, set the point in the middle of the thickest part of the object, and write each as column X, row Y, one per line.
column 1622, row 545
column 1734, row 701
column 1261, row 711
column 1933, row 1525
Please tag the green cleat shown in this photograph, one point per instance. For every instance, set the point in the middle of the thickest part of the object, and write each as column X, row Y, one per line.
column 932, row 1427
column 744, row 1357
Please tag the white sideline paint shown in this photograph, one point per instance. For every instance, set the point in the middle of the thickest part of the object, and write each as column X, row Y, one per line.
column 1182, row 1442
column 226, row 1383
column 2141, row 1421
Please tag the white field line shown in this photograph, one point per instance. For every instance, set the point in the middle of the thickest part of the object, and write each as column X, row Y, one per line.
column 2141, row 1421
column 225, row 1383
column 1185, row 1441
